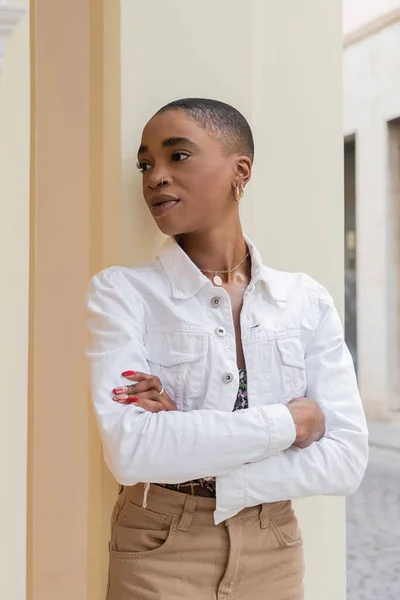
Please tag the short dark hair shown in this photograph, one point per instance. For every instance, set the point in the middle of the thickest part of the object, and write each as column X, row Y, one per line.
column 218, row 118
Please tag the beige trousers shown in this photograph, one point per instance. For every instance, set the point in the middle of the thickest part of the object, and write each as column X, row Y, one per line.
column 172, row 550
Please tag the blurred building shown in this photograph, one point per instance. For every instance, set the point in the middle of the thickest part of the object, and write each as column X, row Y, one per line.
column 372, row 198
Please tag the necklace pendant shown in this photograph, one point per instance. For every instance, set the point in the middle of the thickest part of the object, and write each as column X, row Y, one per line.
column 217, row 280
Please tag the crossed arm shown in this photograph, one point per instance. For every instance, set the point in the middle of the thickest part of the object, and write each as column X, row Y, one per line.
column 149, row 440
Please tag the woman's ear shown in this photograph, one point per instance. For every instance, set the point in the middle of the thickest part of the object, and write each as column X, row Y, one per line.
column 243, row 169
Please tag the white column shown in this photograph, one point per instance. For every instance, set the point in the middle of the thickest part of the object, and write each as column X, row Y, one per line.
column 10, row 16
column 281, row 66
column 372, row 206
column 14, row 306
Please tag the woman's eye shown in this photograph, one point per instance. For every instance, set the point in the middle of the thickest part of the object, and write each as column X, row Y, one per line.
column 179, row 156
column 142, row 166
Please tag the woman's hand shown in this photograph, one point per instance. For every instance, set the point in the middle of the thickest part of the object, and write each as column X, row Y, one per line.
column 309, row 420
column 147, row 392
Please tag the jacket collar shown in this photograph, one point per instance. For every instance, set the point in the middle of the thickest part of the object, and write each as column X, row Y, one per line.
column 186, row 279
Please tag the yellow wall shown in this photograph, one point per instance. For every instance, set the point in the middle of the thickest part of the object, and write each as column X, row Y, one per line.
column 90, row 99
column 59, row 450
column 14, row 266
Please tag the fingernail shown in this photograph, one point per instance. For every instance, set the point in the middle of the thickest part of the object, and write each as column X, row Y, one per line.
column 118, row 399
column 128, row 373
column 122, row 397
column 133, row 400
column 119, row 390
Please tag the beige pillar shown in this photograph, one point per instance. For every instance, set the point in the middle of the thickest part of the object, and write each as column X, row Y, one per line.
column 282, row 67
column 72, row 41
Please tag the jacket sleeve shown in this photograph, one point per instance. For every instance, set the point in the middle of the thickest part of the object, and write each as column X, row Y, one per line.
column 333, row 466
column 164, row 447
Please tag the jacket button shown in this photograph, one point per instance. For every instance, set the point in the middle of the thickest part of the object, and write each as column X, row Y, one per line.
column 220, row 331
column 227, row 377
column 215, row 302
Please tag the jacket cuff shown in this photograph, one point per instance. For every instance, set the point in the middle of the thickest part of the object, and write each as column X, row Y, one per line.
column 282, row 430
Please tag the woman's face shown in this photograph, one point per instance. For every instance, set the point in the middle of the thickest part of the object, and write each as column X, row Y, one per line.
column 188, row 179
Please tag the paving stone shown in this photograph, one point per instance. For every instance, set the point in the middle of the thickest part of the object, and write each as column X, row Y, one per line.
column 373, row 531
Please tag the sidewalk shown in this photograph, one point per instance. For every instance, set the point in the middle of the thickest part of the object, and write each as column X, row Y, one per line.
column 373, row 521
column 384, row 435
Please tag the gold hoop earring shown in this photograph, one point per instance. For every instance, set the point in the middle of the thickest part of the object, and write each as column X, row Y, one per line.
column 238, row 192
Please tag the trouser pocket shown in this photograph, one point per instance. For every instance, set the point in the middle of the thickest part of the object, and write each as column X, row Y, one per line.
column 285, row 526
column 138, row 531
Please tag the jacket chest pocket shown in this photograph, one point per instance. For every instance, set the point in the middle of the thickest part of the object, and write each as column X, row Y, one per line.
column 291, row 380
column 179, row 360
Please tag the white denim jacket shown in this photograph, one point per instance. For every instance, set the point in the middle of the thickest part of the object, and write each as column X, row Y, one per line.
column 166, row 318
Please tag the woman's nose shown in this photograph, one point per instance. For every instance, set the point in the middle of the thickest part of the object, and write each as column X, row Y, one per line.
column 158, row 180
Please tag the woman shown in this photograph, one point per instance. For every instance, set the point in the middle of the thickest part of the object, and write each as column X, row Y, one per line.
column 179, row 347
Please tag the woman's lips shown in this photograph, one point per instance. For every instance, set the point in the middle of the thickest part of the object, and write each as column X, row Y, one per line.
column 160, row 209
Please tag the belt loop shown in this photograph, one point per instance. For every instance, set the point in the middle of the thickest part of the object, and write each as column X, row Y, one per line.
column 264, row 517
column 145, row 494
column 187, row 513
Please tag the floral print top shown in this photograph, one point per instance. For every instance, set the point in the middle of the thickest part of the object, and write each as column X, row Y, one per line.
column 209, row 482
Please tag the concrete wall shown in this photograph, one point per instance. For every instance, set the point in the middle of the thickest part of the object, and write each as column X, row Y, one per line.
column 14, row 307
column 371, row 100
column 357, row 13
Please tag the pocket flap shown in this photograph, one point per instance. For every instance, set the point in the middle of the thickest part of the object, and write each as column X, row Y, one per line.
column 169, row 348
column 291, row 351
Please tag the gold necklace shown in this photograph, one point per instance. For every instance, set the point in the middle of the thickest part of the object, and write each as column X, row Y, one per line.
column 216, row 278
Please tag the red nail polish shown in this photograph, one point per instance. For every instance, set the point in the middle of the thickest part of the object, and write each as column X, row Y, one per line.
column 128, row 373
column 132, row 400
